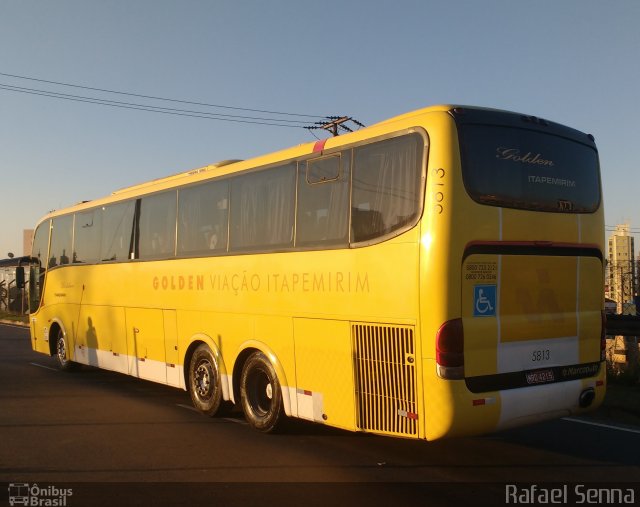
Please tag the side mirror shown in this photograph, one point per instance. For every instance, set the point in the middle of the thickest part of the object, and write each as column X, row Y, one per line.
column 20, row 277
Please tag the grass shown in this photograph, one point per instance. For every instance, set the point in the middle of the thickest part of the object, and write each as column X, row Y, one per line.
column 12, row 317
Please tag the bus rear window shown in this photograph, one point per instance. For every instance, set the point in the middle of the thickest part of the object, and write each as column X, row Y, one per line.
column 527, row 169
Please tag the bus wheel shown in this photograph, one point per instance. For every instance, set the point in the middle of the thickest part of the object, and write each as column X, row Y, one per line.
column 62, row 353
column 260, row 393
column 204, row 381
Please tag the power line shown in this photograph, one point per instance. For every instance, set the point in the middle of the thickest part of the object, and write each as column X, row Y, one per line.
column 278, row 122
column 632, row 230
column 181, row 101
column 331, row 124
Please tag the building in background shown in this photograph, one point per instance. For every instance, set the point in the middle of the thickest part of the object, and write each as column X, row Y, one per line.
column 621, row 272
column 27, row 240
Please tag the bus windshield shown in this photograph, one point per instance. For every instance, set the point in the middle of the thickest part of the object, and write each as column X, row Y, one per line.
column 527, row 169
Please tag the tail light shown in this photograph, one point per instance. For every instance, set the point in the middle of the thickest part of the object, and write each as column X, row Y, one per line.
column 603, row 337
column 450, row 350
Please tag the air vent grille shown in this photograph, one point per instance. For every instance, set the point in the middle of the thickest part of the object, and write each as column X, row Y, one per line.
column 385, row 375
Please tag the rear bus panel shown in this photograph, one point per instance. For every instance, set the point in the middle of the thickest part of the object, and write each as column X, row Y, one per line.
column 530, row 295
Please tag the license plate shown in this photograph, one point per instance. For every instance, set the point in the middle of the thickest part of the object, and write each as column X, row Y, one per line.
column 540, row 377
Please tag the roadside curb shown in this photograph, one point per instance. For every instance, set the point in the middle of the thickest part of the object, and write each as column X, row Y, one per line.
column 14, row 323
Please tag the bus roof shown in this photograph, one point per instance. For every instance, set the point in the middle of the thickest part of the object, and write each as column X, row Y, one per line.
column 232, row 166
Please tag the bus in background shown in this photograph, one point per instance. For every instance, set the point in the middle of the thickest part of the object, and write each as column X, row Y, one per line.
column 437, row 274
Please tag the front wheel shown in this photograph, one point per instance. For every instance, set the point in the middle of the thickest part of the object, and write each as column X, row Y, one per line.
column 62, row 353
column 260, row 394
column 204, row 381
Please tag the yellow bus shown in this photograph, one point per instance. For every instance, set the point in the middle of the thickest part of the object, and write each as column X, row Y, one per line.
column 437, row 274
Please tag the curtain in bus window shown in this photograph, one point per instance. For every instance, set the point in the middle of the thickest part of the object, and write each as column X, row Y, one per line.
column 386, row 187
column 86, row 237
column 61, row 236
column 262, row 209
column 323, row 201
column 117, row 223
column 203, row 213
column 157, row 226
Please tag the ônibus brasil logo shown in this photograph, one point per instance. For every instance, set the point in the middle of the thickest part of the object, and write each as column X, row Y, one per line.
column 22, row 493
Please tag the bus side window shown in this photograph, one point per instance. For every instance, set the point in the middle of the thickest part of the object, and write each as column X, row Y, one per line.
column 61, row 236
column 386, row 187
column 262, row 209
column 203, row 212
column 117, row 224
column 323, row 201
column 365, row 223
column 87, row 236
column 157, row 226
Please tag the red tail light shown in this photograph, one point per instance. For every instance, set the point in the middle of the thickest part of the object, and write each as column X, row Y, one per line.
column 450, row 350
column 603, row 337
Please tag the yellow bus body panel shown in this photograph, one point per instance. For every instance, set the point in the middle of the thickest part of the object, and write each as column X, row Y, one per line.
column 324, row 371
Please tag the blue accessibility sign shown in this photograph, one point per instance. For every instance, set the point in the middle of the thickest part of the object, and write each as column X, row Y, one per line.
column 484, row 300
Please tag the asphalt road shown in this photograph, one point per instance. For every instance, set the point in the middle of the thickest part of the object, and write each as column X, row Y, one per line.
column 116, row 440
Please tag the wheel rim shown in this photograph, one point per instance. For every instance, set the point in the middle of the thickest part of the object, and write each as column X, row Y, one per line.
column 202, row 380
column 62, row 349
column 260, row 392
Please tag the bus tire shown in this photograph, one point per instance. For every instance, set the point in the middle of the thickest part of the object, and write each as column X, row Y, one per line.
column 62, row 352
column 260, row 394
column 204, row 381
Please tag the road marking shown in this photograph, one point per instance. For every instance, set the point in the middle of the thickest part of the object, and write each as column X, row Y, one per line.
column 237, row 421
column 602, row 425
column 45, row 367
column 229, row 419
column 187, row 407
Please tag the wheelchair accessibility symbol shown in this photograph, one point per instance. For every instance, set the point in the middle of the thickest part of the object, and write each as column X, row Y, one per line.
column 484, row 301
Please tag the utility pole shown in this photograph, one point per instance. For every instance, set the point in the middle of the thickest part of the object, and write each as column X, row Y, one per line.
column 335, row 124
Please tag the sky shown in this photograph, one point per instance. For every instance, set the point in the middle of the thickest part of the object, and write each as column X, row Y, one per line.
column 576, row 62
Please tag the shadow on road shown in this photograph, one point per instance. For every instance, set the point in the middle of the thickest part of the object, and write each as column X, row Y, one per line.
column 578, row 440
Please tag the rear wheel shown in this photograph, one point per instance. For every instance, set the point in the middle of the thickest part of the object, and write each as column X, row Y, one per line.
column 260, row 394
column 204, row 381
column 62, row 352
